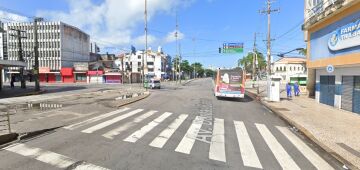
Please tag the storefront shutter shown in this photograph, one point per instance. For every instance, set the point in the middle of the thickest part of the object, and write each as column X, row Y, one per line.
column 347, row 93
column 356, row 100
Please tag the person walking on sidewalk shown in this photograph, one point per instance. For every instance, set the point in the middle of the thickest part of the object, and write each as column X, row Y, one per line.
column 288, row 90
column 12, row 81
column 296, row 89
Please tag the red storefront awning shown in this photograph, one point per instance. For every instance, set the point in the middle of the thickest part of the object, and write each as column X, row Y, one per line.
column 94, row 73
column 66, row 71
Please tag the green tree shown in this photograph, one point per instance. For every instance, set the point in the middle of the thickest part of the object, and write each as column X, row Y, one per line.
column 209, row 73
column 198, row 68
column 247, row 61
column 303, row 52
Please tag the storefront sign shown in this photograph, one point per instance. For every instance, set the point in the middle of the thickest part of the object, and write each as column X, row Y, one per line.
column 346, row 36
column 330, row 68
column 81, row 66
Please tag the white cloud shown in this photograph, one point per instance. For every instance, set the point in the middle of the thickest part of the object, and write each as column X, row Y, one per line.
column 113, row 21
column 171, row 36
column 10, row 17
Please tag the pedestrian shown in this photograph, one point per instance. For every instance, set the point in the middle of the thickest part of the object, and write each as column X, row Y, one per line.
column 12, row 81
column 296, row 89
column 288, row 90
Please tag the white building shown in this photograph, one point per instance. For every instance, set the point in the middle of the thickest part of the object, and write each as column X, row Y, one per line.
column 290, row 67
column 155, row 64
column 60, row 46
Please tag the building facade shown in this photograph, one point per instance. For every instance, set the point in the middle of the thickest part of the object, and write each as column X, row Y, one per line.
column 60, row 46
column 290, row 68
column 332, row 32
column 155, row 64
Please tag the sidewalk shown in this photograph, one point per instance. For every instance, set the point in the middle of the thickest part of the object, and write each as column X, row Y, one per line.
column 336, row 131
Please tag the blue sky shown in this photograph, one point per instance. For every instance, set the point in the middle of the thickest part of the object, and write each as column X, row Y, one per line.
column 204, row 24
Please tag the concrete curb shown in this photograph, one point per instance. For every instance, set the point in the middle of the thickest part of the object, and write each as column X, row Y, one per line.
column 303, row 130
column 8, row 138
column 31, row 93
column 135, row 99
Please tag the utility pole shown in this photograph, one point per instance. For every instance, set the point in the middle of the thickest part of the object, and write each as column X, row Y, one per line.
column 268, row 11
column 36, row 51
column 20, row 54
column 254, row 59
column 146, row 46
column 177, row 43
column 180, row 58
column 194, row 56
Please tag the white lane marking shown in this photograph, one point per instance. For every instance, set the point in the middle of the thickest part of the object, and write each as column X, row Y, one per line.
column 217, row 145
column 48, row 157
column 284, row 159
column 247, row 150
column 314, row 158
column 147, row 128
column 164, row 136
column 118, row 130
column 188, row 140
column 94, row 119
column 111, row 121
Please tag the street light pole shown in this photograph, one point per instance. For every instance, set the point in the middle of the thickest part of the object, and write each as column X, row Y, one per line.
column 146, row 46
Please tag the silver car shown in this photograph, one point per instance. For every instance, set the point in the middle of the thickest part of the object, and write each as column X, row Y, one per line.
column 154, row 84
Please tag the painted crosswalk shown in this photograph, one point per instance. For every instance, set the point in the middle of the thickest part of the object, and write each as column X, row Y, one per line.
column 51, row 158
column 137, row 123
column 247, row 150
column 165, row 135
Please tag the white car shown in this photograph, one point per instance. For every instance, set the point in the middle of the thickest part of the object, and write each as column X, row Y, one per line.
column 154, row 84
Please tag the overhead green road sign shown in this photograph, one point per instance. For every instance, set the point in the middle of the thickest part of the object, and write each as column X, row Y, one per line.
column 233, row 48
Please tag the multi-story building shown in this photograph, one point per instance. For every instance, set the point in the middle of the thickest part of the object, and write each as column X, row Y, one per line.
column 4, row 63
column 60, row 47
column 155, row 64
column 290, row 69
column 332, row 32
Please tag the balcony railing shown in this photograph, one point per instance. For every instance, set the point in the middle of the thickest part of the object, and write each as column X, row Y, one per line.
column 321, row 11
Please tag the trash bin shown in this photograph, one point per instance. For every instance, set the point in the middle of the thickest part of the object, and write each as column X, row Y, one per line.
column 275, row 88
column 146, row 84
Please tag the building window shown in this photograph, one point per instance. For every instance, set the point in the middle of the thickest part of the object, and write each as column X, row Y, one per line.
column 139, row 56
column 151, row 69
column 138, row 69
column 150, row 63
column 139, row 63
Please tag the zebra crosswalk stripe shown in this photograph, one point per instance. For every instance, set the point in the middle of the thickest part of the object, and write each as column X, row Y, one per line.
column 247, row 150
column 188, row 140
column 54, row 159
column 94, row 119
column 314, row 158
column 147, row 128
column 164, row 136
column 284, row 159
column 118, row 130
column 217, row 145
column 111, row 121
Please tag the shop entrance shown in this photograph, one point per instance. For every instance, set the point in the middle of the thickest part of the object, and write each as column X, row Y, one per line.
column 327, row 90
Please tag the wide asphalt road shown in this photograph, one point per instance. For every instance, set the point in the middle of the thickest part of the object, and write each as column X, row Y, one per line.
column 174, row 128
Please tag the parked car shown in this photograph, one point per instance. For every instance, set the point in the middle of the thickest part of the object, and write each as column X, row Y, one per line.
column 154, row 84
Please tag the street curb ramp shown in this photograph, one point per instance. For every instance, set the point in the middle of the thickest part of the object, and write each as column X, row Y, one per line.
column 303, row 130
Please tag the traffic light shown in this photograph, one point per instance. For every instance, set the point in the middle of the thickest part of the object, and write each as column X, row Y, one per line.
column 220, row 50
